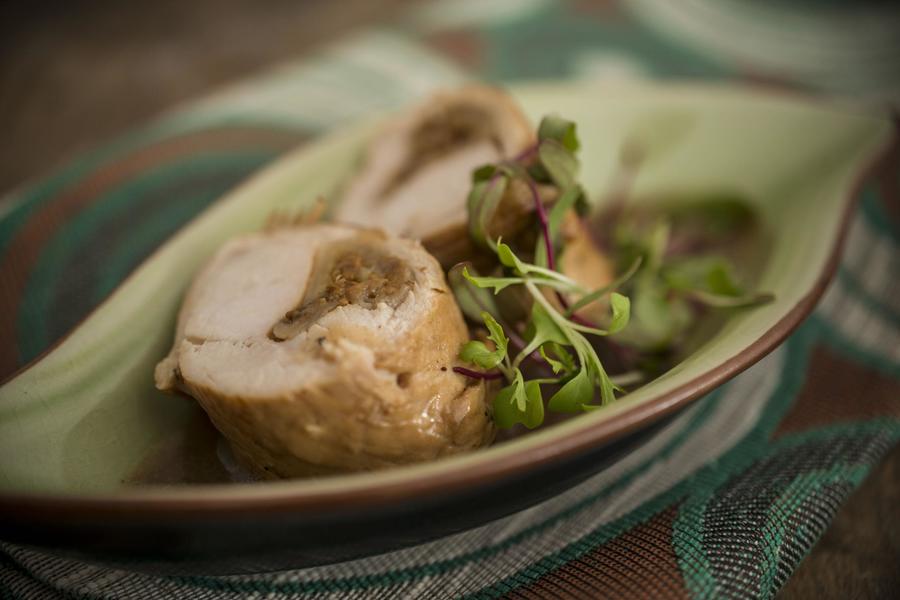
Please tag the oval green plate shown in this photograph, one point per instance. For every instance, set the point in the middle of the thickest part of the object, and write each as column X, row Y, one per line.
column 76, row 423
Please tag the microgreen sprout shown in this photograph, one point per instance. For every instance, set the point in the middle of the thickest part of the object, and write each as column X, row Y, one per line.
column 548, row 323
column 561, row 342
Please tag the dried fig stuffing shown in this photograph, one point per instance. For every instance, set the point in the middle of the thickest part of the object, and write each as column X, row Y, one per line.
column 344, row 274
column 452, row 127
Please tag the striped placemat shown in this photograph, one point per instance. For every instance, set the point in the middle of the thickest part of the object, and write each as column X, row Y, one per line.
column 723, row 502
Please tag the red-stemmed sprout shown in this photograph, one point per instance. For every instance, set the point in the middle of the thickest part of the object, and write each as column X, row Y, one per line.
column 478, row 374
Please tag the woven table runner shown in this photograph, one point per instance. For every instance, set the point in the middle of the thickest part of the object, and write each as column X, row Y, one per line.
column 723, row 502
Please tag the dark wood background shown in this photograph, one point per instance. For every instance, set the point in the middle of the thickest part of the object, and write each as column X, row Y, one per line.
column 75, row 74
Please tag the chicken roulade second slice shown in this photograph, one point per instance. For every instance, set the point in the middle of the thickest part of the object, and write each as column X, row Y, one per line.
column 327, row 348
column 418, row 169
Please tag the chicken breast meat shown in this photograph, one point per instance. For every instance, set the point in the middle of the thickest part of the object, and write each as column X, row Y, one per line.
column 327, row 348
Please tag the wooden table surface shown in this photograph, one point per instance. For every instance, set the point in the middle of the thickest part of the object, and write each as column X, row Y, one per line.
column 76, row 74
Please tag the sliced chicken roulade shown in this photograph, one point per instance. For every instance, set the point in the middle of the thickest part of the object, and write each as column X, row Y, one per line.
column 327, row 348
column 418, row 170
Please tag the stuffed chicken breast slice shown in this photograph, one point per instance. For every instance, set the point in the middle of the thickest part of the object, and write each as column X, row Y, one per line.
column 418, row 169
column 327, row 348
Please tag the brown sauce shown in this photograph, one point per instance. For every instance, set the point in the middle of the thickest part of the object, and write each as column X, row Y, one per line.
column 188, row 455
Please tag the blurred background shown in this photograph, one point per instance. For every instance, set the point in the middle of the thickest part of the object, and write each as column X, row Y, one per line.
column 98, row 78
column 73, row 74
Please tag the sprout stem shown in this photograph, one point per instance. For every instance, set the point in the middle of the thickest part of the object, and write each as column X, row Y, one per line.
column 477, row 374
column 526, row 153
column 542, row 219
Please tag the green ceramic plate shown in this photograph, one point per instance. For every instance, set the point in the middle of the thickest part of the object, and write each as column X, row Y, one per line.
column 80, row 420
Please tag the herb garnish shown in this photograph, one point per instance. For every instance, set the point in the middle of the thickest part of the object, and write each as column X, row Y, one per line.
column 550, row 335
column 534, row 313
column 670, row 287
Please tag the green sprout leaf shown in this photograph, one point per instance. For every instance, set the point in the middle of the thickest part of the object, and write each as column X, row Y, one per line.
column 534, row 408
column 688, row 273
column 540, row 275
column 709, row 273
column 498, row 283
column 541, row 329
column 720, row 282
column 657, row 242
column 654, row 312
column 483, row 173
column 657, row 320
column 621, row 312
column 545, row 328
column 472, row 299
column 709, row 280
column 554, row 127
column 519, row 402
column 559, row 359
column 482, row 204
column 595, row 371
column 495, row 332
column 607, row 388
column 476, row 352
column 572, row 396
column 560, row 164
column 509, row 259
column 742, row 301
column 505, row 410
column 716, row 213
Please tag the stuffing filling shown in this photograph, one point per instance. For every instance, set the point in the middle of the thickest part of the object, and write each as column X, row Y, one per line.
column 344, row 274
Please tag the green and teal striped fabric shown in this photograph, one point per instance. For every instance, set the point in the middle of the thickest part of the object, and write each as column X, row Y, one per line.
column 723, row 502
